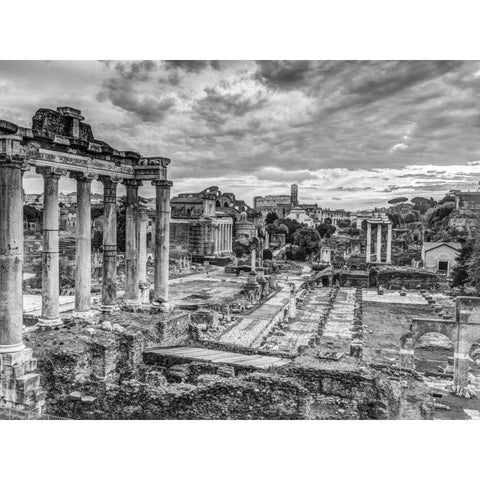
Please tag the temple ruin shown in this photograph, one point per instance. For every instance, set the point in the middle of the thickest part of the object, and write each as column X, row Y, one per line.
column 58, row 143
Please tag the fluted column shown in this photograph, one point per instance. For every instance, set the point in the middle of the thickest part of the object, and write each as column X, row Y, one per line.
column 379, row 242
column 369, row 243
column 11, row 254
column 83, row 252
column 50, row 254
column 389, row 243
column 162, row 238
column 131, row 243
column 109, row 287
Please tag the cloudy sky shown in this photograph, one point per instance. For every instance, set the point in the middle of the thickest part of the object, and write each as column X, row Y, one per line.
column 351, row 134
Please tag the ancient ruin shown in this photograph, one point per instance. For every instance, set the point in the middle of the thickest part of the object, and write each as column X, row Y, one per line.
column 60, row 143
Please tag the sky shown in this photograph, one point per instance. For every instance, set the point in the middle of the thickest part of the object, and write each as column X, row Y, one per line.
column 351, row 134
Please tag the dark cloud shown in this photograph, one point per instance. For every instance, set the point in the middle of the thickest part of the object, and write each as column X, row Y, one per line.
column 283, row 73
column 147, row 107
column 274, row 121
column 193, row 66
column 217, row 107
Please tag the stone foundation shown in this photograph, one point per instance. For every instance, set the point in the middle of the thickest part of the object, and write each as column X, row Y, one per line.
column 19, row 384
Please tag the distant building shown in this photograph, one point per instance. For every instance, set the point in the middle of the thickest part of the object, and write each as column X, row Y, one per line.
column 320, row 215
column 440, row 257
column 300, row 215
column 279, row 204
column 204, row 224
column 466, row 200
column 294, row 195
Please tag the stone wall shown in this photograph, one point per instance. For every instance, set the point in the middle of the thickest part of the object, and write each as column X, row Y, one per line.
column 304, row 391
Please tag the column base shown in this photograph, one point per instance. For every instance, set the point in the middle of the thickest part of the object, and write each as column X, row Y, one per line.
column 144, row 292
column 49, row 322
column 18, row 347
column 132, row 303
column 88, row 316
column 160, row 306
column 109, row 308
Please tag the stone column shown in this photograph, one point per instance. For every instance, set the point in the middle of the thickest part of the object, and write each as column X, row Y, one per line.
column 162, row 245
column 83, row 252
column 109, row 287
column 369, row 243
column 253, row 260
column 389, row 243
column 131, row 243
column 461, row 362
column 216, row 239
column 11, row 254
column 379, row 242
column 292, row 306
column 50, row 254
column 220, row 238
column 142, row 247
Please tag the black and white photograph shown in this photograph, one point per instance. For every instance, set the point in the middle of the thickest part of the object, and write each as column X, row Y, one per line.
column 238, row 239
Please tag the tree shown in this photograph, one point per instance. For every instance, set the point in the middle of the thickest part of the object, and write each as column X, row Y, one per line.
column 397, row 200
column 292, row 226
column 31, row 214
column 308, row 240
column 271, row 218
column 267, row 254
column 240, row 249
column 422, row 204
column 461, row 269
column 272, row 228
column 325, row 230
column 345, row 223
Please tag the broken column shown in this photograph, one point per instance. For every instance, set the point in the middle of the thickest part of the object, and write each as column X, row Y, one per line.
column 50, row 254
column 162, row 236
column 109, row 287
column 83, row 252
column 292, row 306
column 131, row 243
column 461, row 363
column 407, row 353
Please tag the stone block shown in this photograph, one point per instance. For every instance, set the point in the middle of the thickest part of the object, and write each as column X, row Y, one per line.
column 27, row 382
column 16, row 358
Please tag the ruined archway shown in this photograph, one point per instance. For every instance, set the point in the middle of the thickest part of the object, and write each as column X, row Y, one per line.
column 434, row 354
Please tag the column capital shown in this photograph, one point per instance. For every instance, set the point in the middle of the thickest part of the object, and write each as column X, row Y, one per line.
column 51, row 171
column 84, row 176
column 109, row 180
column 132, row 182
column 162, row 183
column 13, row 161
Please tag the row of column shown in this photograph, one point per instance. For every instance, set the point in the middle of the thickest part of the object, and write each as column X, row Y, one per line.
column 11, row 247
column 224, row 238
column 379, row 243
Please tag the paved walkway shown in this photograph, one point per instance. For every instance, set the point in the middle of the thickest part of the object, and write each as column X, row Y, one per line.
column 215, row 356
column 300, row 331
